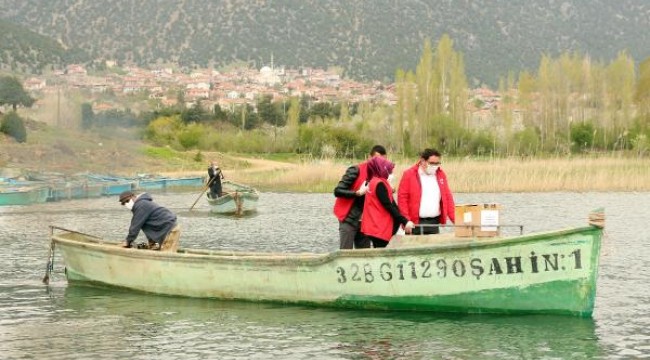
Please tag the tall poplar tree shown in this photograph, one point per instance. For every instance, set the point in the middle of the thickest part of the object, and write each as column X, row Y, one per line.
column 293, row 120
column 621, row 84
column 426, row 92
column 642, row 90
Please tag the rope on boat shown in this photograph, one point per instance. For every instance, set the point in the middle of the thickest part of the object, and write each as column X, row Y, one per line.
column 50, row 259
column 597, row 218
column 238, row 203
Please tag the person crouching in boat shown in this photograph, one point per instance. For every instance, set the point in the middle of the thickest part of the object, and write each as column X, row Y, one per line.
column 156, row 222
column 381, row 217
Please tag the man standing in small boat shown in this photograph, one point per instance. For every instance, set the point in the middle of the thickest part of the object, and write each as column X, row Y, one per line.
column 156, row 222
column 424, row 196
column 348, row 206
column 215, row 175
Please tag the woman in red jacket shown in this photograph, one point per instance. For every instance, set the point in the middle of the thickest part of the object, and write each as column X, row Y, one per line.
column 424, row 196
column 381, row 217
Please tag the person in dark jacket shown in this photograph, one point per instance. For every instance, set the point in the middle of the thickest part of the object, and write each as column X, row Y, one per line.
column 215, row 175
column 155, row 221
column 348, row 206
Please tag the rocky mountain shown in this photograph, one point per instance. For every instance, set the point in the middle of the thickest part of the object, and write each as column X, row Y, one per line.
column 369, row 39
column 24, row 51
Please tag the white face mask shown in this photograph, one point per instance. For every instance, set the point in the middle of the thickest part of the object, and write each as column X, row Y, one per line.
column 431, row 169
column 129, row 205
column 390, row 179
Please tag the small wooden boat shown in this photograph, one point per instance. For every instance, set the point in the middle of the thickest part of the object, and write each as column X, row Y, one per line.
column 150, row 183
column 23, row 195
column 74, row 190
column 193, row 182
column 112, row 185
column 115, row 188
column 236, row 199
column 547, row 272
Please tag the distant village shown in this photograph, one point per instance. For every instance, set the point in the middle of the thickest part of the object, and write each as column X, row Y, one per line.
column 162, row 85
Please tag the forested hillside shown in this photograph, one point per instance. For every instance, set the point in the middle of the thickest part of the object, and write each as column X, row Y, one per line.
column 369, row 39
column 24, row 51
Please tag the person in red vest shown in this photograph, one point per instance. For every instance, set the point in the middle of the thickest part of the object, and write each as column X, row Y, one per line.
column 381, row 217
column 424, row 196
column 348, row 205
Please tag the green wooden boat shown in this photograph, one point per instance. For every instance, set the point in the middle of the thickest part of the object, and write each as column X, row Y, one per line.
column 23, row 195
column 551, row 272
column 237, row 199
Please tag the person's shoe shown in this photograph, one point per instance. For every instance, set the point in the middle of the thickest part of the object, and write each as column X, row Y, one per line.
column 155, row 246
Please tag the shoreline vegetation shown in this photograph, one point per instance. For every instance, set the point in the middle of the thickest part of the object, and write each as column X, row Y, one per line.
column 287, row 172
column 465, row 175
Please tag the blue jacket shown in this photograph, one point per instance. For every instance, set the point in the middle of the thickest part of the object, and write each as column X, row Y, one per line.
column 154, row 220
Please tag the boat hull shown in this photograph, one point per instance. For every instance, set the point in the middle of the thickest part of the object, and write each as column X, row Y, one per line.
column 72, row 190
column 189, row 183
column 551, row 272
column 234, row 204
column 117, row 188
column 151, row 184
column 23, row 196
column 237, row 200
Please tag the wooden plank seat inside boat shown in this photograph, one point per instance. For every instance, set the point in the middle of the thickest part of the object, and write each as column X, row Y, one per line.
column 91, row 240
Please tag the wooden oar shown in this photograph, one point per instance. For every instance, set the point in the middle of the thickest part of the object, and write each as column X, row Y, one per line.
column 207, row 186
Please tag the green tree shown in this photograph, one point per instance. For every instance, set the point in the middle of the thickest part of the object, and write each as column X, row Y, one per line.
column 582, row 136
column 87, row 116
column 449, row 67
column 526, row 142
column 620, row 90
column 12, row 93
column 163, row 130
column 269, row 113
column 219, row 114
column 191, row 135
column 642, row 90
column 293, row 120
column 13, row 125
column 427, row 84
column 245, row 117
column 195, row 114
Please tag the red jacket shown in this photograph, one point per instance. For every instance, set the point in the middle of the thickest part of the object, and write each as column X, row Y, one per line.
column 343, row 205
column 376, row 220
column 409, row 195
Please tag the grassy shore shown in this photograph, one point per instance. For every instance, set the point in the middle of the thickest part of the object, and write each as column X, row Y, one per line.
column 122, row 153
column 471, row 175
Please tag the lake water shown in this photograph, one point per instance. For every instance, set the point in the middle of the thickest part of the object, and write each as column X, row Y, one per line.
column 76, row 322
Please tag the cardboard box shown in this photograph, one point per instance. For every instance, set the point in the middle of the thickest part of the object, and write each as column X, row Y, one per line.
column 483, row 218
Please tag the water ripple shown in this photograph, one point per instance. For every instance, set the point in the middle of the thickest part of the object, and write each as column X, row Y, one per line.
column 70, row 322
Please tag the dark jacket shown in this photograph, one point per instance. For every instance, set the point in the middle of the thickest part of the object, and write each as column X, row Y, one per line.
column 212, row 173
column 154, row 220
column 345, row 189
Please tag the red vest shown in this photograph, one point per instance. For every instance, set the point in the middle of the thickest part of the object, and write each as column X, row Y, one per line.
column 343, row 205
column 376, row 220
column 409, row 194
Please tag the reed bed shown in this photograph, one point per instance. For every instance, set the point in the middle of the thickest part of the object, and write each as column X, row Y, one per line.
column 476, row 175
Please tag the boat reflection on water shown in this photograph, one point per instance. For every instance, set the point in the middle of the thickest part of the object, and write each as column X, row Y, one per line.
column 205, row 326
